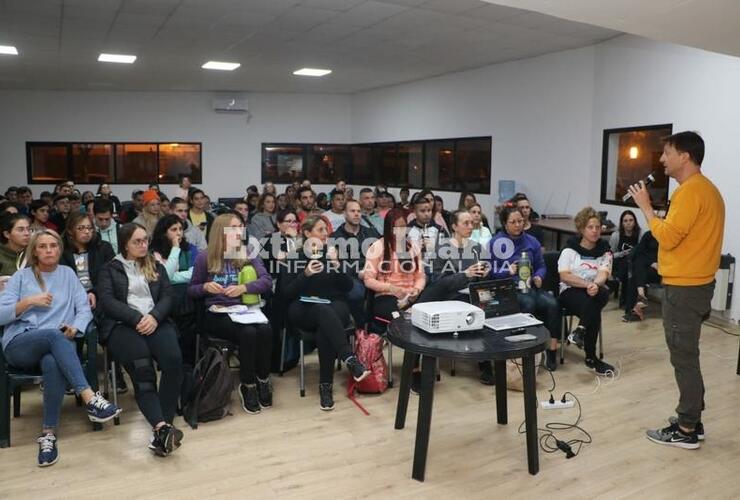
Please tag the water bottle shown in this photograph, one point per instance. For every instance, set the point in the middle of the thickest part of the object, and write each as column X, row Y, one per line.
column 525, row 273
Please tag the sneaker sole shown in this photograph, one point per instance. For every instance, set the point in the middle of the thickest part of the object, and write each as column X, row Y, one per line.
column 177, row 438
column 47, row 464
column 326, row 408
column 158, row 452
column 604, row 374
column 685, row 446
column 265, row 407
column 244, row 406
column 99, row 420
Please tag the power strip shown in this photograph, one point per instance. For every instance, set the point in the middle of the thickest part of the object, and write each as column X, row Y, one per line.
column 557, row 405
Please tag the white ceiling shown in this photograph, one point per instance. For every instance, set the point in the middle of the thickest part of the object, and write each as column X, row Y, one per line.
column 706, row 24
column 368, row 43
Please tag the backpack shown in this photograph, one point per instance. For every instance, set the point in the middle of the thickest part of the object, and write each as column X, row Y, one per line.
column 369, row 351
column 210, row 397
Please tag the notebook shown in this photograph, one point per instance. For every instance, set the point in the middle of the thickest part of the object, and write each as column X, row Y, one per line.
column 498, row 300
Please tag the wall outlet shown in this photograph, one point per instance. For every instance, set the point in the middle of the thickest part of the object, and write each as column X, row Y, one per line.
column 557, row 405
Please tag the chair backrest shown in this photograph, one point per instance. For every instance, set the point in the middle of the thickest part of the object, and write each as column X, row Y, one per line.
column 552, row 277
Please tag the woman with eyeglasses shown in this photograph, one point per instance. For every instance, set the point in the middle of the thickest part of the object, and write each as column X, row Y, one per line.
column 15, row 233
column 219, row 277
column 43, row 308
column 506, row 249
column 136, row 299
column 85, row 253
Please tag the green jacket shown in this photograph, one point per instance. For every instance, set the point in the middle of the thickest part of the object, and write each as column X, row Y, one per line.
column 10, row 261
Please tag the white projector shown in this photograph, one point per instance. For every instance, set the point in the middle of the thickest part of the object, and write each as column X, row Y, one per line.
column 447, row 316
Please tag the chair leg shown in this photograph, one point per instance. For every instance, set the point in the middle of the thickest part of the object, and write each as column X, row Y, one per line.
column 4, row 412
column 563, row 331
column 452, row 369
column 283, row 334
column 16, row 402
column 106, row 375
column 390, row 365
column 197, row 347
column 116, row 420
column 439, row 373
column 302, row 370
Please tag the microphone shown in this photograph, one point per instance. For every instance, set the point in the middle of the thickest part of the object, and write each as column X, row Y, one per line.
column 649, row 180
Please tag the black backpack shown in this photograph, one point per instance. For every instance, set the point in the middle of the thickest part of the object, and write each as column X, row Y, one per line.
column 210, row 397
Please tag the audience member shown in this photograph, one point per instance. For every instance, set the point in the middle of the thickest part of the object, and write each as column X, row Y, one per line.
column 61, row 211
column 104, row 192
column 369, row 216
column 336, row 214
column 171, row 248
column 198, row 215
column 622, row 242
column 522, row 203
column 315, row 274
column 191, row 233
column 136, row 299
column 75, row 203
column 481, row 234
column 107, row 227
column 15, row 233
column 424, row 232
column 584, row 267
column 39, row 328
column 644, row 264
column 263, row 222
column 39, row 212
column 220, row 280
column 151, row 213
column 134, row 207
column 183, row 189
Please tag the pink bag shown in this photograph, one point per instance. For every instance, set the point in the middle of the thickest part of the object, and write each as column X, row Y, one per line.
column 369, row 350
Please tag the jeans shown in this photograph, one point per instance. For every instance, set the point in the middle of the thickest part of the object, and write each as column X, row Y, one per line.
column 356, row 302
column 684, row 310
column 544, row 306
column 60, row 366
column 135, row 352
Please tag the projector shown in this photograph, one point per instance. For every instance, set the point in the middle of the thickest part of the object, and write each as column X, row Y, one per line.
column 447, row 316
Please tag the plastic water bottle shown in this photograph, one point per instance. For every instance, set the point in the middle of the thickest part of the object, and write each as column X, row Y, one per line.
column 525, row 273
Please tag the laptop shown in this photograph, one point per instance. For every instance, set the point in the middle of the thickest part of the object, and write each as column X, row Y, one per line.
column 498, row 300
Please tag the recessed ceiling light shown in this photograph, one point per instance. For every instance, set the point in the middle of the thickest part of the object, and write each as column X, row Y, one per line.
column 312, row 72
column 116, row 58
column 8, row 49
column 222, row 66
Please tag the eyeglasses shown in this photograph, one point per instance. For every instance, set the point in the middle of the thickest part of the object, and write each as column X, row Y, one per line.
column 290, row 221
column 84, row 228
column 140, row 243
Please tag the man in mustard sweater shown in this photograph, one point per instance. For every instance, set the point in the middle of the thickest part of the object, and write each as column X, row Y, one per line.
column 690, row 244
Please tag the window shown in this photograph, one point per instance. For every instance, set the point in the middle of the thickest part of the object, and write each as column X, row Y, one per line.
column 441, row 164
column 283, row 162
column 47, row 163
column 92, row 163
column 177, row 160
column 326, row 164
column 137, row 163
column 95, row 163
column 629, row 155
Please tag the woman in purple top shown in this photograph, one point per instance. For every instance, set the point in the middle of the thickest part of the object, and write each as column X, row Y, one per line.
column 506, row 248
column 216, row 278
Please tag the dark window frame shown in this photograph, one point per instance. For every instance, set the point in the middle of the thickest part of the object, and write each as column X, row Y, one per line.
column 70, row 164
column 605, row 162
column 308, row 147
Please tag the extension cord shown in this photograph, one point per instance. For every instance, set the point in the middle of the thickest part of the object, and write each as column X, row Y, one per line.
column 557, row 405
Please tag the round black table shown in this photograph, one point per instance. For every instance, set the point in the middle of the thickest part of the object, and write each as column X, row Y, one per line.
column 478, row 345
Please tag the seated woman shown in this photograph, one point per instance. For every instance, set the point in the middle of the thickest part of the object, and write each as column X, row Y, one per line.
column 532, row 299
column 43, row 308
column 151, row 213
column 316, row 273
column 39, row 211
column 136, row 300
column 584, row 266
column 15, row 233
column 522, row 203
column 622, row 242
column 172, row 250
column 644, row 271
column 481, row 234
column 216, row 278
column 263, row 222
column 396, row 275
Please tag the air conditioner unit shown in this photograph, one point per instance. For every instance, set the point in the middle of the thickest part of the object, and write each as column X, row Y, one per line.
column 230, row 105
column 725, row 276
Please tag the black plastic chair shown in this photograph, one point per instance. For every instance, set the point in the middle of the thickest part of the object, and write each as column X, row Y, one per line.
column 310, row 335
column 13, row 379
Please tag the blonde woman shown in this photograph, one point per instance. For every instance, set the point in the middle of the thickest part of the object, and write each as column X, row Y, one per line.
column 481, row 234
column 151, row 213
column 216, row 278
column 43, row 308
column 136, row 299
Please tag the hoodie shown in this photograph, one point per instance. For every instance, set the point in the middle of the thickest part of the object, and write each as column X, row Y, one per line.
column 505, row 250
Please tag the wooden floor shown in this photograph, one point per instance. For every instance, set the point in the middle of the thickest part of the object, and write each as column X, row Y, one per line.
column 294, row 450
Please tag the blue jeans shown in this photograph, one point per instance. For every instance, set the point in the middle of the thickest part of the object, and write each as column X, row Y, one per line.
column 60, row 366
column 544, row 306
column 356, row 302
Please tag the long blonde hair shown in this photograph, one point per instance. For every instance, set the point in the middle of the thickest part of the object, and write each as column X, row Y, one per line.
column 217, row 247
column 147, row 264
column 33, row 260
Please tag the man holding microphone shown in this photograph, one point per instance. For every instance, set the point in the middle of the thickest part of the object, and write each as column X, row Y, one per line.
column 690, row 245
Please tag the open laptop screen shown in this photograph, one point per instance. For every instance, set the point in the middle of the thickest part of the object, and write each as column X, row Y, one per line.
column 495, row 297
